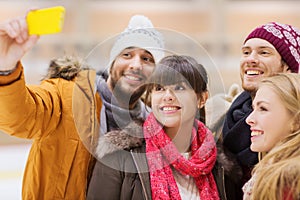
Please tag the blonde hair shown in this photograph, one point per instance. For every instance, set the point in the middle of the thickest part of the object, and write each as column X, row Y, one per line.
column 277, row 175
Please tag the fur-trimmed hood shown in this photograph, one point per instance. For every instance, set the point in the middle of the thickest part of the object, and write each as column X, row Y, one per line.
column 129, row 137
column 132, row 136
column 66, row 67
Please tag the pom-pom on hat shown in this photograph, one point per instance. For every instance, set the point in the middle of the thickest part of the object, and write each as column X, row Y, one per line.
column 139, row 33
column 286, row 40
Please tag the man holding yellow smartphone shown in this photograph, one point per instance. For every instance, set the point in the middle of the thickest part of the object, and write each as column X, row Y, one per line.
column 62, row 115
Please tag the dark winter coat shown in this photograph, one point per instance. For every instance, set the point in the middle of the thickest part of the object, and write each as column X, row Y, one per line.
column 121, row 156
column 236, row 139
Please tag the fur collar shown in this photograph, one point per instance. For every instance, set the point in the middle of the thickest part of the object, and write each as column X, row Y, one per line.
column 129, row 137
column 132, row 137
column 66, row 67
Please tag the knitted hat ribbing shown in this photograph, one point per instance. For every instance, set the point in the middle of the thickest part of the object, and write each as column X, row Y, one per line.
column 285, row 38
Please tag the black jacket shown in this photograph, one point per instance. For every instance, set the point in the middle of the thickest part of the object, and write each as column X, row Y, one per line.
column 121, row 172
column 236, row 139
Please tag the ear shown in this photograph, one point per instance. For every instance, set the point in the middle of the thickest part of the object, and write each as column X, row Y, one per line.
column 111, row 66
column 202, row 99
column 286, row 68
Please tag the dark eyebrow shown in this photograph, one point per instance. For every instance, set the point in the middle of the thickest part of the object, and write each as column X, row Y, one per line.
column 260, row 47
column 130, row 48
column 246, row 48
column 148, row 52
column 266, row 47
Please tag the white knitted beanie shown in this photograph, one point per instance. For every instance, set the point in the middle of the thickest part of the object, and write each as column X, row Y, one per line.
column 139, row 33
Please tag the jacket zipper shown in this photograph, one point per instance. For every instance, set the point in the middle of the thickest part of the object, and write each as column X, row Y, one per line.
column 141, row 179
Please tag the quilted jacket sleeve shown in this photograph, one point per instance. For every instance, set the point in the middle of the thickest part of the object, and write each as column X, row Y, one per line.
column 28, row 111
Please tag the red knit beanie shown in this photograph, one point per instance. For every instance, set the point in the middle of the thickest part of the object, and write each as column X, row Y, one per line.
column 286, row 40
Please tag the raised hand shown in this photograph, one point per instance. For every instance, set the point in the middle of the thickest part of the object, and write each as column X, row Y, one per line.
column 14, row 42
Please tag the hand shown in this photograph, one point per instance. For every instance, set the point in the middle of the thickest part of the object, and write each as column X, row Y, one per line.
column 14, row 42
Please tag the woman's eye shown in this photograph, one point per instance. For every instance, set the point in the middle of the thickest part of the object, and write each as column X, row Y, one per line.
column 262, row 108
column 179, row 87
column 158, row 88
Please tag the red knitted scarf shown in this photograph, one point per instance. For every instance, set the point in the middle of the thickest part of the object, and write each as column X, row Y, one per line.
column 162, row 154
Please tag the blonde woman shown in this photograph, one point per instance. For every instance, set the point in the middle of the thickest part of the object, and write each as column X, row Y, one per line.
column 275, row 130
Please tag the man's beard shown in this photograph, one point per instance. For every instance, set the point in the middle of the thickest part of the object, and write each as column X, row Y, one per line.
column 125, row 97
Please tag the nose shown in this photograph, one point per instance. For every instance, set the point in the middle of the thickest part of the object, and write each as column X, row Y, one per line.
column 252, row 59
column 169, row 95
column 136, row 63
column 250, row 119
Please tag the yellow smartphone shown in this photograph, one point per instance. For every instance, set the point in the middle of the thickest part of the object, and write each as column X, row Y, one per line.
column 46, row 20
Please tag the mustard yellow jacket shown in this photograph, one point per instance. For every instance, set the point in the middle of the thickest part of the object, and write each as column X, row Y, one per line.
column 61, row 117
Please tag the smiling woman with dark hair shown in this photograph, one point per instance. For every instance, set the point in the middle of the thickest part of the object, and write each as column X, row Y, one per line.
column 174, row 154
